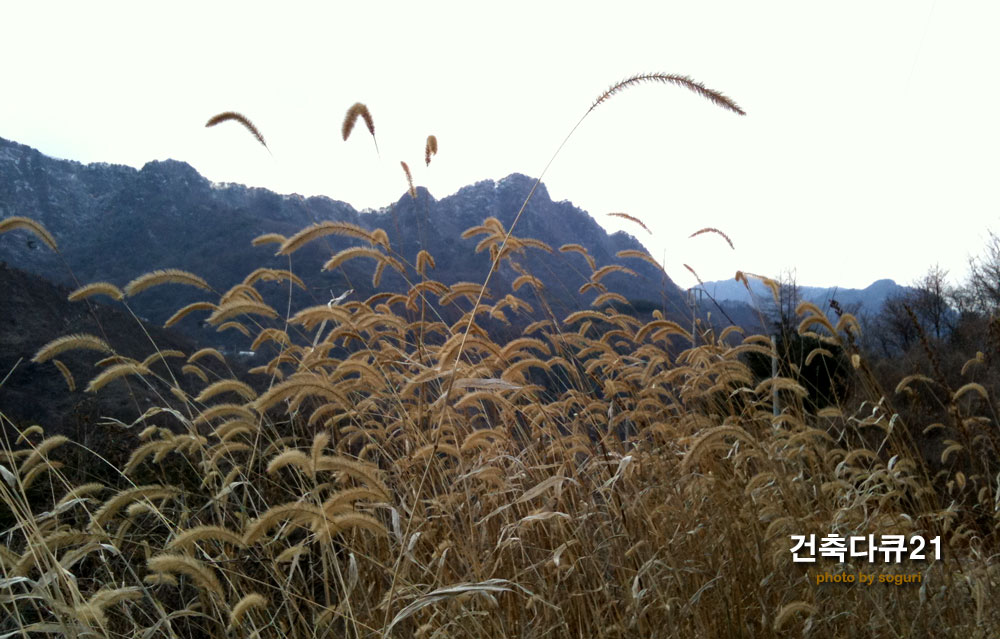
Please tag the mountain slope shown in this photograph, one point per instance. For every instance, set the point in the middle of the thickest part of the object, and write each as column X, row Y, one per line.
column 36, row 312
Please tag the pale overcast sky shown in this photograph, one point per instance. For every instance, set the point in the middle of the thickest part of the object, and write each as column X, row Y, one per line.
column 869, row 149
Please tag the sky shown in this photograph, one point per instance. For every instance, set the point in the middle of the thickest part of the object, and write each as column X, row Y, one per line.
column 869, row 148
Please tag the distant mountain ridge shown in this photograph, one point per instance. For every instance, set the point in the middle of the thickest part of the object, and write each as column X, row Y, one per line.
column 870, row 299
column 114, row 223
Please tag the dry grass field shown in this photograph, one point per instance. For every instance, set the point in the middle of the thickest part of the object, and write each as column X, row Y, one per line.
column 396, row 475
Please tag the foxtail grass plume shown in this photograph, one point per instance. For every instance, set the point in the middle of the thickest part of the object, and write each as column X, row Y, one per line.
column 633, row 219
column 70, row 342
column 693, row 272
column 67, row 375
column 431, row 148
column 164, row 276
column 28, row 224
column 358, row 110
column 668, row 78
column 97, row 288
column 409, row 179
column 717, row 232
column 242, row 119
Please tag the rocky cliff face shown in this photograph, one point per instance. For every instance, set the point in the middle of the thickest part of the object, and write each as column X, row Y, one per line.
column 114, row 223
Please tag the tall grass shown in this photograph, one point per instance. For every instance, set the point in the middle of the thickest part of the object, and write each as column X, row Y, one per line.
column 398, row 476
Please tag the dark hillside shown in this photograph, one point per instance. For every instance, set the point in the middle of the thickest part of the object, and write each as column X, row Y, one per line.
column 35, row 312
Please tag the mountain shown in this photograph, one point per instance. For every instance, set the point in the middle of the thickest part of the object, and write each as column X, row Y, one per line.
column 114, row 223
column 869, row 299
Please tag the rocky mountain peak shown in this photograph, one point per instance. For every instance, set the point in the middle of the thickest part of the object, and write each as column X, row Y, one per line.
column 115, row 223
